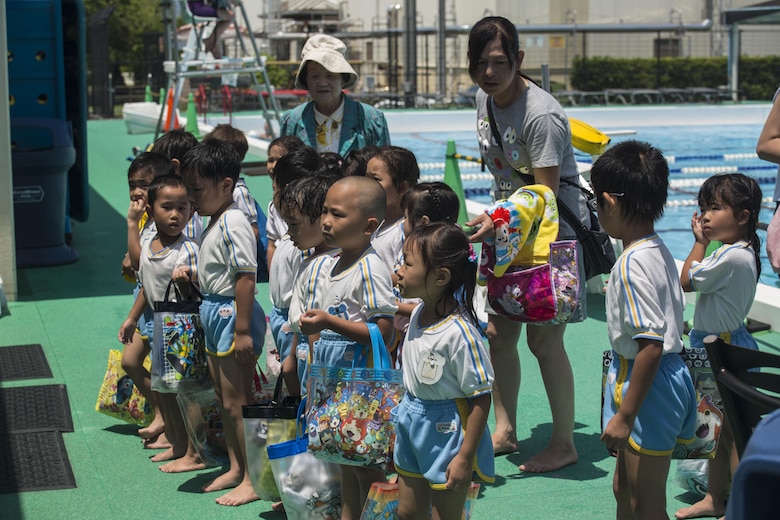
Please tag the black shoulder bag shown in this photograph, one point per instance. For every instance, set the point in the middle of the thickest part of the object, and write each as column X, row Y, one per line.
column 596, row 244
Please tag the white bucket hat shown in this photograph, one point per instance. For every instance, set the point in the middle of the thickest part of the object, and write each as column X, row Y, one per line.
column 328, row 52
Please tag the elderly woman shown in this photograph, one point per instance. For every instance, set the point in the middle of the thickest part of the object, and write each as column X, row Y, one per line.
column 332, row 122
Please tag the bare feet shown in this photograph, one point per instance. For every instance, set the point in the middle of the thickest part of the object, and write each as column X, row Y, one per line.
column 183, row 464
column 504, row 444
column 165, row 455
column 703, row 508
column 155, row 428
column 160, row 442
column 242, row 494
column 552, row 458
column 225, row 481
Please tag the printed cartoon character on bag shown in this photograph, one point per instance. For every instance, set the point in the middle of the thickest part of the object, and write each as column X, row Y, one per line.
column 509, row 301
column 709, row 420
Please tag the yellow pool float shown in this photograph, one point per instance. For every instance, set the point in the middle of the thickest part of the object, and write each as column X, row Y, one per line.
column 586, row 138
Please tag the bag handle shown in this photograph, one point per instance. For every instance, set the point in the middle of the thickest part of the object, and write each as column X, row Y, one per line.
column 194, row 292
column 378, row 348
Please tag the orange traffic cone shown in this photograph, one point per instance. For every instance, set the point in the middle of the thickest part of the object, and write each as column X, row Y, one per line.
column 171, row 119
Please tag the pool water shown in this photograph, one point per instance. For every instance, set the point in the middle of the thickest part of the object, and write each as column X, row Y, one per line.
column 694, row 153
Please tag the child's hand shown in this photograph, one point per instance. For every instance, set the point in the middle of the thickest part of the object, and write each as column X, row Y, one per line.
column 127, row 268
column 698, row 232
column 181, row 274
column 136, row 211
column 616, row 434
column 127, row 330
column 458, row 474
column 244, row 349
column 314, row 321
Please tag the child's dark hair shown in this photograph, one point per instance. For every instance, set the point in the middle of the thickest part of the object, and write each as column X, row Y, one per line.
column 356, row 160
column 231, row 135
column 434, row 200
column 175, row 143
column 212, row 159
column 446, row 245
column 305, row 195
column 638, row 175
column 288, row 142
column 401, row 163
column 740, row 193
column 163, row 181
column 334, row 163
column 302, row 162
column 154, row 163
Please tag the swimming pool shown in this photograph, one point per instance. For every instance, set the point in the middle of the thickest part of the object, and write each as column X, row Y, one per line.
column 694, row 153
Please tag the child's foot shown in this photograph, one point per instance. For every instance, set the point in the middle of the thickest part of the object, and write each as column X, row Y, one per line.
column 242, row 494
column 157, row 443
column 183, row 464
column 503, row 444
column 278, row 507
column 703, row 508
column 553, row 457
column 225, row 481
column 155, row 428
column 165, row 455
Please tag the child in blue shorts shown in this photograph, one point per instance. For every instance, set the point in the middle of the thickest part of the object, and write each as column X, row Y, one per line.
column 442, row 439
column 650, row 402
column 356, row 288
column 726, row 281
column 233, row 322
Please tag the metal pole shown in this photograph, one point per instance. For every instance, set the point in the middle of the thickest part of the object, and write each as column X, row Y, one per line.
column 546, row 77
column 441, row 60
column 410, row 57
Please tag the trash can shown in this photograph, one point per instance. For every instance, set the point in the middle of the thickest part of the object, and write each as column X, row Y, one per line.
column 42, row 152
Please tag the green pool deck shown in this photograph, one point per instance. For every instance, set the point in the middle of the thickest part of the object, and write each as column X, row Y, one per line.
column 74, row 311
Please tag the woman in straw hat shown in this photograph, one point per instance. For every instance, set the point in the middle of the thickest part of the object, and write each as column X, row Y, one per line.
column 332, row 122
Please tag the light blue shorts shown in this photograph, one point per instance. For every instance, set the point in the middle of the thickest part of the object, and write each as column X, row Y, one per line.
column 278, row 317
column 302, row 356
column 668, row 413
column 428, row 436
column 217, row 313
column 740, row 337
column 337, row 351
column 146, row 321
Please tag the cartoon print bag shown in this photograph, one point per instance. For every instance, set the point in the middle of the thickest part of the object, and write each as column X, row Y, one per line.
column 349, row 410
column 382, row 502
column 179, row 345
column 310, row 488
column 119, row 398
column 267, row 422
column 709, row 416
column 541, row 294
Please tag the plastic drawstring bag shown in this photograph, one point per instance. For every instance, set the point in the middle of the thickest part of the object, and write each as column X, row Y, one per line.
column 310, row 488
column 691, row 475
column 268, row 422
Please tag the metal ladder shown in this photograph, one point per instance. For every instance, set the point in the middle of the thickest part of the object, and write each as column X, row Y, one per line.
column 178, row 71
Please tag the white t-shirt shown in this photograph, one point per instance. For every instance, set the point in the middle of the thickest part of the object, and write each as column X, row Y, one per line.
column 388, row 242
column 275, row 226
column 284, row 269
column 446, row 360
column 155, row 268
column 228, row 248
column 308, row 291
column 645, row 299
column 245, row 201
column 726, row 281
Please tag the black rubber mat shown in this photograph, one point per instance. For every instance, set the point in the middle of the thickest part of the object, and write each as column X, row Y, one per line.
column 23, row 362
column 35, row 409
column 34, row 462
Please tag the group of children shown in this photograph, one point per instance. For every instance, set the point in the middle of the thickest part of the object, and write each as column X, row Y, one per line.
column 356, row 240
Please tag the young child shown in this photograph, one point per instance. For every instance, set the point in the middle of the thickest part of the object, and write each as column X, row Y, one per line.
column 233, row 322
column 447, row 375
column 300, row 204
column 422, row 204
column 396, row 169
column 142, row 171
column 174, row 144
column 650, row 402
column 726, row 281
column 356, row 161
column 356, row 289
column 165, row 256
column 275, row 226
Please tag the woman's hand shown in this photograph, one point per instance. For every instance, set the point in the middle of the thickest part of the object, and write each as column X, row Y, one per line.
column 483, row 228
